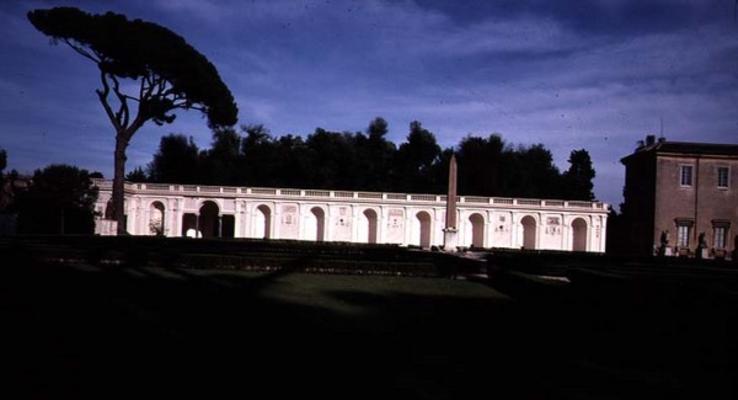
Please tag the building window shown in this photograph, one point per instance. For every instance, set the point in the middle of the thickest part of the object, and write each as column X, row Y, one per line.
column 684, row 228
column 722, row 177
column 683, row 236
column 720, row 230
column 686, row 175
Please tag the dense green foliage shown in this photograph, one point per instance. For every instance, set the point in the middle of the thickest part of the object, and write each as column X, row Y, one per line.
column 60, row 200
column 4, row 192
column 3, row 161
column 7, row 183
column 137, row 175
column 3, row 164
column 176, row 160
column 578, row 178
column 368, row 161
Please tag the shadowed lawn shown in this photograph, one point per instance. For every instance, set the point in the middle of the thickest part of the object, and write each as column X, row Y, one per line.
column 85, row 331
column 346, row 294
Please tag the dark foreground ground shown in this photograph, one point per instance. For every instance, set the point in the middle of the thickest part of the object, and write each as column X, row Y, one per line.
column 79, row 331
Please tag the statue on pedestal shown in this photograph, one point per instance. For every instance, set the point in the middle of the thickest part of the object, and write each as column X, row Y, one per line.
column 664, row 244
column 701, row 246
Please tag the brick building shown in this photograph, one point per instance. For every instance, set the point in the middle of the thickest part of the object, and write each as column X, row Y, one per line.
column 681, row 192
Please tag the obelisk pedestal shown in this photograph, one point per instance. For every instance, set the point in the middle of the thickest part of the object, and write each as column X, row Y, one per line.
column 450, row 233
column 450, row 239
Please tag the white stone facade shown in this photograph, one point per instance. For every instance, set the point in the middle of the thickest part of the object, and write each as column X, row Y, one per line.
column 360, row 217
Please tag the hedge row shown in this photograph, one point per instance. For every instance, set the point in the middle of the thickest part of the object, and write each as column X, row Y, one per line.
column 619, row 277
column 243, row 254
column 559, row 262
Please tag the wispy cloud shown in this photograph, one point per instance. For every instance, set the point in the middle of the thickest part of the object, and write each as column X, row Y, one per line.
column 569, row 74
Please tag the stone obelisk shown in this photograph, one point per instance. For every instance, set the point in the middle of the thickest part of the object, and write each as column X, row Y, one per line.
column 450, row 233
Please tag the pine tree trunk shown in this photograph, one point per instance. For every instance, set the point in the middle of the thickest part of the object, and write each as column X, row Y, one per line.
column 118, row 183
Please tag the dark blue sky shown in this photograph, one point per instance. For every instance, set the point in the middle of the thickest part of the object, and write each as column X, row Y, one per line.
column 597, row 74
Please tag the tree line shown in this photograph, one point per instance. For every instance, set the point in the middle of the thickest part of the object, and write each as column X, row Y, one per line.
column 60, row 198
column 488, row 166
column 57, row 199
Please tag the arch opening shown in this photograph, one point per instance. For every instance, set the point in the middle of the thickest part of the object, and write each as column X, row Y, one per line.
column 529, row 232
column 189, row 225
column 262, row 222
column 424, row 220
column 477, row 223
column 156, row 219
column 370, row 226
column 209, row 220
column 579, row 234
column 318, row 225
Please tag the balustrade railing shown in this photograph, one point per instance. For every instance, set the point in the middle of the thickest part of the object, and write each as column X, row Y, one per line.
column 263, row 191
column 344, row 194
column 317, row 193
column 423, row 197
column 210, row 189
column 474, row 199
column 292, row 193
column 529, row 202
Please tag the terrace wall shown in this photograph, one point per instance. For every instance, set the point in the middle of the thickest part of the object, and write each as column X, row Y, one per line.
column 341, row 216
